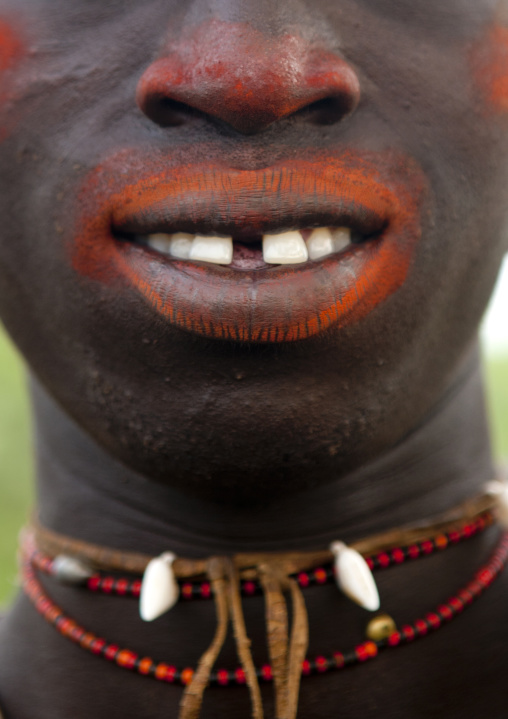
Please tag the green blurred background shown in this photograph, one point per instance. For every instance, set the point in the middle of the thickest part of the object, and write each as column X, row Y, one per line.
column 16, row 460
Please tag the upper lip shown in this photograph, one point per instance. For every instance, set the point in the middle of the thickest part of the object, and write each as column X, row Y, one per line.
column 246, row 205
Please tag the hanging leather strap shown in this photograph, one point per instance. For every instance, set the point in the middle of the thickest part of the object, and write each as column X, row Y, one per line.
column 225, row 585
column 190, row 705
column 286, row 658
column 297, row 648
column 272, row 580
column 242, row 641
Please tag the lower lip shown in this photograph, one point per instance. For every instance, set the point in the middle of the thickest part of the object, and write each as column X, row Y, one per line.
column 279, row 304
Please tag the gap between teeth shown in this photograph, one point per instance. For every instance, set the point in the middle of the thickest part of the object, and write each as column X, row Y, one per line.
column 285, row 248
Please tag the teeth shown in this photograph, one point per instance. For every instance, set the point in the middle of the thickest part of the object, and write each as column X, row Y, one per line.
column 320, row 243
column 324, row 241
column 160, row 242
column 218, row 250
column 180, row 245
column 341, row 238
column 287, row 248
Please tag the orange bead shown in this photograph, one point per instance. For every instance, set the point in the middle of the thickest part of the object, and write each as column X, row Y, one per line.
column 144, row 665
column 441, row 542
column 371, row 649
column 320, row 576
column 126, row 658
column 186, row 676
column 161, row 671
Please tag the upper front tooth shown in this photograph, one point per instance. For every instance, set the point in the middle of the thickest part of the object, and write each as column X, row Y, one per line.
column 324, row 241
column 285, row 249
column 320, row 243
column 341, row 238
column 180, row 245
column 218, row 250
column 160, row 242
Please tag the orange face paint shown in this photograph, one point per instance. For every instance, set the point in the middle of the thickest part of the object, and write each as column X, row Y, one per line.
column 11, row 51
column 489, row 61
column 10, row 46
column 281, row 304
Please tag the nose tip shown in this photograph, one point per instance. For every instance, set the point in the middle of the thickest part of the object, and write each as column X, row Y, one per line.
column 234, row 73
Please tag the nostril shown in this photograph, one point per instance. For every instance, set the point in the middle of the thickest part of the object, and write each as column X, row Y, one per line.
column 166, row 112
column 329, row 110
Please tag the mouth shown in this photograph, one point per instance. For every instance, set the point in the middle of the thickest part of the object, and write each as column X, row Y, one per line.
column 250, row 253
column 273, row 255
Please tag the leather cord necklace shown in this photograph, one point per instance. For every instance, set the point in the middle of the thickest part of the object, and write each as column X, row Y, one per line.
column 112, row 584
column 276, row 576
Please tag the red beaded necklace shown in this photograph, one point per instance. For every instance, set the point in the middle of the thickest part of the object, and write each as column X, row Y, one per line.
column 273, row 575
column 128, row 659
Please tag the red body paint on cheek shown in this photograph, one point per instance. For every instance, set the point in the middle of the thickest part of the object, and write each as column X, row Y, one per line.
column 10, row 46
column 489, row 62
column 11, row 52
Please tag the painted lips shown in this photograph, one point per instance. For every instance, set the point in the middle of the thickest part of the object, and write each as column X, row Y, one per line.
column 379, row 196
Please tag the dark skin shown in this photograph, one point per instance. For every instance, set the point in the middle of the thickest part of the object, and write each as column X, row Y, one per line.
column 196, row 430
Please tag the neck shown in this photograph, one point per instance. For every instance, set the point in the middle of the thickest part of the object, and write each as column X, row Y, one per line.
column 86, row 494
column 441, row 462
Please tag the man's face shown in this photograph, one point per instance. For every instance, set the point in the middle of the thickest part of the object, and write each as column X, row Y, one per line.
column 125, row 123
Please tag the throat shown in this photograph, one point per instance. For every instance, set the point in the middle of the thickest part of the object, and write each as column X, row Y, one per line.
column 438, row 465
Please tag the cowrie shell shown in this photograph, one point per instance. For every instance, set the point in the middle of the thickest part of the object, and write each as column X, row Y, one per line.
column 354, row 577
column 159, row 588
column 70, row 570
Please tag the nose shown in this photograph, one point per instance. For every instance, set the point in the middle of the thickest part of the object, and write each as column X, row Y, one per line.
column 249, row 80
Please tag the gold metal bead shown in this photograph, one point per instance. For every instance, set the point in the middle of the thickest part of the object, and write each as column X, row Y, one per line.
column 381, row 627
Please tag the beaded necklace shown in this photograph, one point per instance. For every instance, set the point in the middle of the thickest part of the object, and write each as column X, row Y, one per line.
column 365, row 651
column 103, row 583
column 227, row 578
